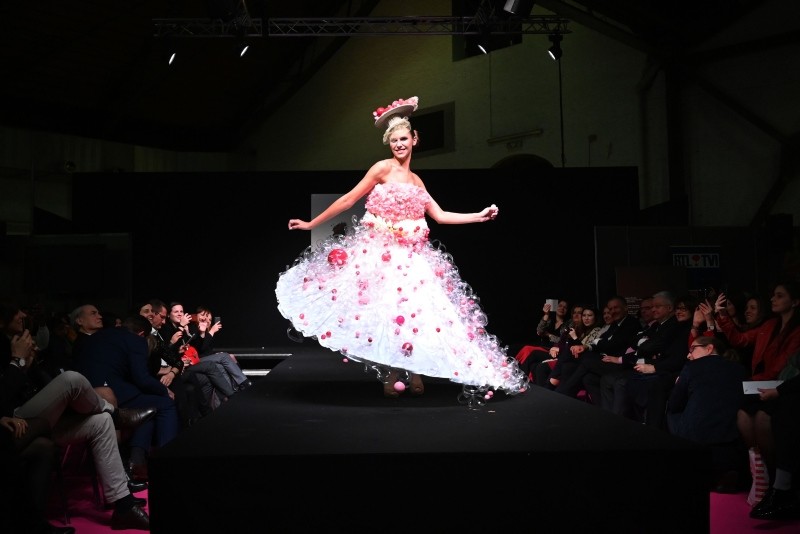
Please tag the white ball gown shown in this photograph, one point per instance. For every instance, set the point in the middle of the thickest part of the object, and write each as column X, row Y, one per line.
column 383, row 295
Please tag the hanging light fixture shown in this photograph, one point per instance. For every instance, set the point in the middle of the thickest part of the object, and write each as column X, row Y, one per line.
column 555, row 49
column 520, row 8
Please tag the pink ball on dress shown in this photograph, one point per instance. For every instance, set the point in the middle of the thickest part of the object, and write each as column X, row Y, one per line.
column 399, row 387
column 337, row 257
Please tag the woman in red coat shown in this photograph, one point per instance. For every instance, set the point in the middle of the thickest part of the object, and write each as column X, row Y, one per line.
column 773, row 343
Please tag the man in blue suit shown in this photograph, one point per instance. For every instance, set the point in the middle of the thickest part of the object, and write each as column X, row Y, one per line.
column 117, row 358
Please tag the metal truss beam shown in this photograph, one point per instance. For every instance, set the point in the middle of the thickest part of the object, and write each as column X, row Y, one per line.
column 207, row 28
column 376, row 26
column 361, row 27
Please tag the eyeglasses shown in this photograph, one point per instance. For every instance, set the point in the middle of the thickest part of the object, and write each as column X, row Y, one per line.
column 684, row 308
column 692, row 347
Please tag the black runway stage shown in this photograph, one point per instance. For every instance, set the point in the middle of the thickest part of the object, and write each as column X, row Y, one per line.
column 315, row 446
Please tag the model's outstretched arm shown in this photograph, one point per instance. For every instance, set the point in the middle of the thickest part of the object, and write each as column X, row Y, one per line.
column 450, row 217
column 346, row 201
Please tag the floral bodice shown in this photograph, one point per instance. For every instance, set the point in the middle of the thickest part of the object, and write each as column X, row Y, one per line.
column 397, row 201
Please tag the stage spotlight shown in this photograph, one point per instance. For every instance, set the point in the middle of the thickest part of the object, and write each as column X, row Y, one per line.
column 243, row 49
column 483, row 44
column 171, row 58
column 555, row 49
column 520, row 8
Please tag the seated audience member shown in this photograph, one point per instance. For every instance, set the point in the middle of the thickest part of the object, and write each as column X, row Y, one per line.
column 74, row 413
column 194, row 383
column 582, row 334
column 167, row 367
column 702, row 407
column 646, row 311
column 117, row 358
column 179, row 322
column 552, row 324
column 549, row 333
column 773, row 343
column 781, row 500
column 597, row 360
column 204, row 343
column 549, row 330
column 111, row 320
column 57, row 357
column 685, row 307
column 85, row 321
column 705, row 323
column 641, row 388
column 27, row 456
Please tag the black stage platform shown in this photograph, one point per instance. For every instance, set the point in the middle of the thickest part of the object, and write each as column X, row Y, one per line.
column 314, row 446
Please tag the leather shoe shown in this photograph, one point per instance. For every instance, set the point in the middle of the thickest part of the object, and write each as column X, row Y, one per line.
column 244, row 385
column 136, row 500
column 130, row 418
column 777, row 504
column 135, row 486
column 138, row 472
column 133, row 517
column 727, row 483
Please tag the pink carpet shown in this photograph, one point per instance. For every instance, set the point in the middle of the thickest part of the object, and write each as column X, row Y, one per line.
column 728, row 513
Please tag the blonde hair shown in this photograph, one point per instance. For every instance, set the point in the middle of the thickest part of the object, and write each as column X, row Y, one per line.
column 395, row 123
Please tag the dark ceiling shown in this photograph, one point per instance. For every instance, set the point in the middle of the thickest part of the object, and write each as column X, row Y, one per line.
column 95, row 68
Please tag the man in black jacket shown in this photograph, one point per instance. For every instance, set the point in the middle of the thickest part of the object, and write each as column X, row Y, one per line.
column 639, row 390
column 118, row 358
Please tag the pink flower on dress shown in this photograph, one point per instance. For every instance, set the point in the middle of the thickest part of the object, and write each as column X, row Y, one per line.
column 395, row 202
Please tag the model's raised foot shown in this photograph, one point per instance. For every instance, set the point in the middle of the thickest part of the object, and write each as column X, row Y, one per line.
column 389, row 388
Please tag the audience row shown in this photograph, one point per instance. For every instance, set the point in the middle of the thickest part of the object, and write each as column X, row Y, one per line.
column 718, row 370
column 122, row 388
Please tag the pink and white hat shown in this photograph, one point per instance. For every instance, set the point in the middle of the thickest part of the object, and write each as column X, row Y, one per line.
column 400, row 107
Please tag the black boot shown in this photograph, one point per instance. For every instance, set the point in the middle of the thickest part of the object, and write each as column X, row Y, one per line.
column 777, row 504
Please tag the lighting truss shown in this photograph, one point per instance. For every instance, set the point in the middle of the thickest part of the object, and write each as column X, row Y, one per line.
column 207, row 28
column 376, row 26
column 362, row 27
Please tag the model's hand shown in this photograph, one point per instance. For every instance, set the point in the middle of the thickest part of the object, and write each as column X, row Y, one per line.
column 299, row 224
column 489, row 214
